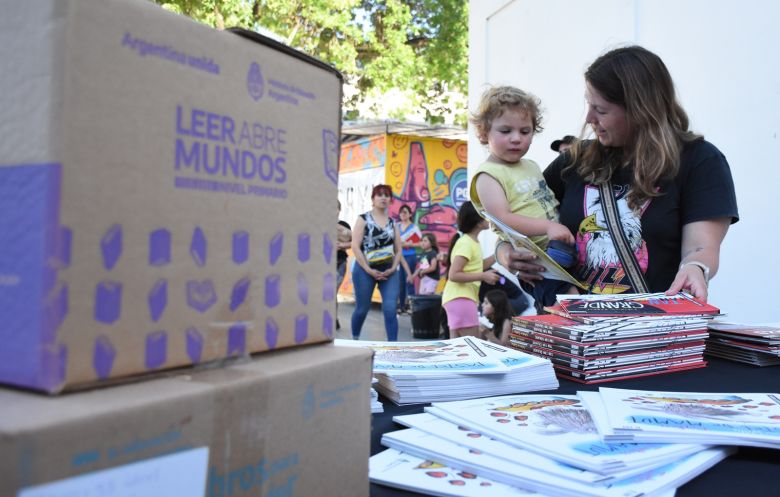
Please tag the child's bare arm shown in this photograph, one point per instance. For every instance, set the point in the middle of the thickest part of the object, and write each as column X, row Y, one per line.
column 492, row 197
column 457, row 275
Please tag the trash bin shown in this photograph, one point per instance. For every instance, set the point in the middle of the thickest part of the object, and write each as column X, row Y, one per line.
column 426, row 310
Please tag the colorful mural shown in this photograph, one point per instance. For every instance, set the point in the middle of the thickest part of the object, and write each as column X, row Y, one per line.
column 429, row 175
column 365, row 153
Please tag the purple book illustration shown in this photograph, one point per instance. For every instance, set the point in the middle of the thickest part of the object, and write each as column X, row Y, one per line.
column 65, row 246
column 158, row 299
column 201, row 295
column 275, row 247
column 240, row 247
column 159, row 247
column 327, row 324
column 111, row 246
column 194, row 344
column 303, row 288
column 238, row 295
column 273, row 290
column 304, row 247
column 330, row 155
column 108, row 301
column 271, row 333
column 328, row 287
column 301, row 328
column 103, row 357
column 236, row 340
column 56, row 310
column 198, row 247
column 156, row 349
column 327, row 248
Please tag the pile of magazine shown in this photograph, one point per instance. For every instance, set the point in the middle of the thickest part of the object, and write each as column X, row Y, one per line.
column 750, row 419
column 376, row 405
column 591, row 444
column 460, row 368
column 599, row 338
column 753, row 344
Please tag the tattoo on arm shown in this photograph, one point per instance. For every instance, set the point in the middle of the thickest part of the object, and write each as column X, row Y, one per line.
column 692, row 251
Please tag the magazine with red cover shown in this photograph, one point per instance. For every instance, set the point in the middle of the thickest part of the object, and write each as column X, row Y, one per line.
column 755, row 358
column 414, row 238
column 634, row 304
column 606, row 328
column 616, row 374
column 767, row 349
column 595, row 353
column 594, row 347
column 607, row 357
column 765, row 334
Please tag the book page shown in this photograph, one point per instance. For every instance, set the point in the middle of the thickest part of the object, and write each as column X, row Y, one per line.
column 552, row 270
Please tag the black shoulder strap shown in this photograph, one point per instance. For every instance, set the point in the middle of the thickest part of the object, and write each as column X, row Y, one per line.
column 626, row 255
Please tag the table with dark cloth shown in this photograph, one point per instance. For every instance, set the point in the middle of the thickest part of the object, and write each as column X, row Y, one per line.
column 750, row 472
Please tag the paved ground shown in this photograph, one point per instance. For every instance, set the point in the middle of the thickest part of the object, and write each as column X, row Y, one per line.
column 374, row 326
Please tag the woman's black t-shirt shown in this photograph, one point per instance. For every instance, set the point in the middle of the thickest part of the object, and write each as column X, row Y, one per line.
column 702, row 190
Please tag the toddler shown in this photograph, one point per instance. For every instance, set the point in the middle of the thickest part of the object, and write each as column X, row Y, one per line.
column 512, row 188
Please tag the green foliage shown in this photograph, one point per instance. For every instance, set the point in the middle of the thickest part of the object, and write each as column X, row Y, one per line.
column 415, row 47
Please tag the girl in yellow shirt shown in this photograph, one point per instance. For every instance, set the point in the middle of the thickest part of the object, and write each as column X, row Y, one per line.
column 467, row 269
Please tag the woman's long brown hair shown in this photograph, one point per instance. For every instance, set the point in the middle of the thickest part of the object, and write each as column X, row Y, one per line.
column 637, row 80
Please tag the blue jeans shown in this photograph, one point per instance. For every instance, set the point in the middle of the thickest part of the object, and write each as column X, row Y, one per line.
column 363, row 285
column 406, row 289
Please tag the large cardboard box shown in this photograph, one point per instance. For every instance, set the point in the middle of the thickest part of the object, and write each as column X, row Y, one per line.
column 167, row 193
column 293, row 422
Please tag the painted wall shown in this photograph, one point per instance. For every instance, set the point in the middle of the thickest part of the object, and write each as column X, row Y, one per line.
column 427, row 174
column 722, row 58
column 361, row 166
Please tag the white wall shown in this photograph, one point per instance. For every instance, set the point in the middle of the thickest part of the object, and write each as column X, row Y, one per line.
column 723, row 58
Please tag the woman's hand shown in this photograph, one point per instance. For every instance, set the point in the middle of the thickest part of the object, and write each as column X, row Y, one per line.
column 519, row 262
column 691, row 279
column 389, row 272
column 377, row 275
column 700, row 242
column 410, row 278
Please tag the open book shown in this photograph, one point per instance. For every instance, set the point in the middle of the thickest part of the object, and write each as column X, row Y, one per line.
column 552, row 270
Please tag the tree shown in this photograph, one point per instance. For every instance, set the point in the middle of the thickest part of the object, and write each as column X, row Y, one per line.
column 413, row 48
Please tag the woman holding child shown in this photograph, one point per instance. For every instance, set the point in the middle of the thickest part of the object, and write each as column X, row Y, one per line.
column 674, row 193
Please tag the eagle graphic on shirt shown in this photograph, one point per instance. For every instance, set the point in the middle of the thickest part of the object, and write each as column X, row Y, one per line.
column 599, row 263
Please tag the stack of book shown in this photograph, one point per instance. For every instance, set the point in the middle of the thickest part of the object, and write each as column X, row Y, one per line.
column 461, row 368
column 376, row 405
column 753, row 344
column 550, row 444
column 630, row 416
column 598, row 338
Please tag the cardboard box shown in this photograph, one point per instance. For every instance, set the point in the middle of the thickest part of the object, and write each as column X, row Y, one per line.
column 167, row 193
column 294, row 422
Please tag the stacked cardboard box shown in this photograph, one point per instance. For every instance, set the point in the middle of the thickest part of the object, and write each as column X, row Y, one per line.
column 167, row 193
column 269, row 426
column 167, row 199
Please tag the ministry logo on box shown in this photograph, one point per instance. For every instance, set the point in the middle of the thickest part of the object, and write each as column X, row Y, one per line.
column 254, row 82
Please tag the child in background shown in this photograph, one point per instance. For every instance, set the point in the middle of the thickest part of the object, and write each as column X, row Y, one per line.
column 410, row 241
column 512, row 188
column 496, row 308
column 343, row 243
column 428, row 267
column 467, row 270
